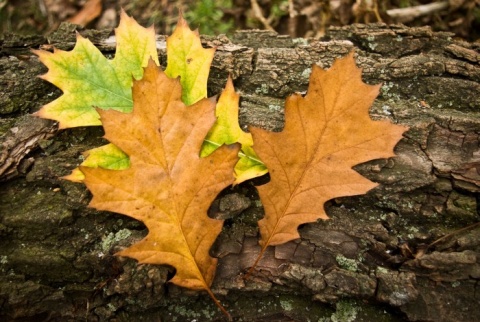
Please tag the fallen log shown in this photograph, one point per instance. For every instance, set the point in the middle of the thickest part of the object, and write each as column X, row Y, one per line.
column 407, row 250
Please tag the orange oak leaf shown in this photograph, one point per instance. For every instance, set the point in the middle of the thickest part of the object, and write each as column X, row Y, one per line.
column 326, row 133
column 168, row 186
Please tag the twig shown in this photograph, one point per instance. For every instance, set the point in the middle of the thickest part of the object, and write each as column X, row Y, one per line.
column 259, row 15
column 292, row 21
column 410, row 13
column 363, row 9
column 453, row 233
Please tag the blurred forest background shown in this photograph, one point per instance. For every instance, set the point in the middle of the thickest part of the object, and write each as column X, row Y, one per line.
column 297, row 18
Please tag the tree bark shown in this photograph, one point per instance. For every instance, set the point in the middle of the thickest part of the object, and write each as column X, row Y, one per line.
column 408, row 250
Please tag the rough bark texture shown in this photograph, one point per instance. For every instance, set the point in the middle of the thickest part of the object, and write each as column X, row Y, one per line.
column 408, row 250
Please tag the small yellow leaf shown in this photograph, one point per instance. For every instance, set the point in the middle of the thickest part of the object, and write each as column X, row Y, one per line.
column 249, row 166
column 226, row 130
column 75, row 176
column 188, row 59
column 107, row 157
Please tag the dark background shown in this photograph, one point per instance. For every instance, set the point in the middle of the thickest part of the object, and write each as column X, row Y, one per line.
column 297, row 18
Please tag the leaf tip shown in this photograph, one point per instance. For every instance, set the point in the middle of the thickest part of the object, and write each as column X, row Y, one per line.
column 40, row 53
column 45, row 113
column 151, row 63
column 229, row 84
column 43, row 56
column 181, row 22
column 78, row 37
column 123, row 13
column 75, row 176
column 40, row 112
column 124, row 16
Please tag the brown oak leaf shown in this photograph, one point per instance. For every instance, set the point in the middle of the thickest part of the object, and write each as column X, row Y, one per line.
column 168, row 186
column 326, row 133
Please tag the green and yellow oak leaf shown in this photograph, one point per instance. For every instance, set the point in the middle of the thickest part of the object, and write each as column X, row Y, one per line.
column 89, row 80
column 168, row 186
column 226, row 130
column 326, row 133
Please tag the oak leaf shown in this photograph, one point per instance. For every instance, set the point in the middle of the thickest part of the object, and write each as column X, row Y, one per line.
column 167, row 186
column 89, row 80
column 326, row 133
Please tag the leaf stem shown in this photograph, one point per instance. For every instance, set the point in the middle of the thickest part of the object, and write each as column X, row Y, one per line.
column 219, row 305
column 252, row 268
